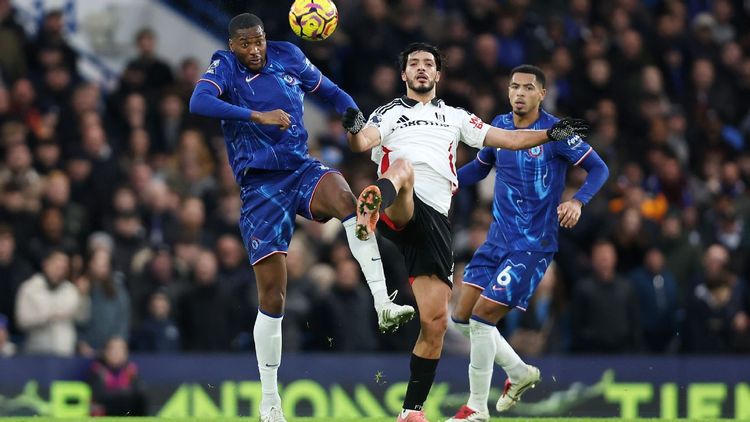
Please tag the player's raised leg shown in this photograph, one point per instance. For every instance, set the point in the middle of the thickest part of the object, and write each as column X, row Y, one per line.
column 432, row 295
column 270, row 274
column 333, row 198
column 393, row 192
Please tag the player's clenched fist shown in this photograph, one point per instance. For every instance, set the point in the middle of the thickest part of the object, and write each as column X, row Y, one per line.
column 276, row 117
column 569, row 212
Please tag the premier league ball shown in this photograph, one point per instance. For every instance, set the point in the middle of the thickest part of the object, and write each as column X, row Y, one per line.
column 313, row 20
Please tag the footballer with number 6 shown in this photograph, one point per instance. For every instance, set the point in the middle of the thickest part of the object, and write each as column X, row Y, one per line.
column 522, row 239
column 256, row 89
column 414, row 140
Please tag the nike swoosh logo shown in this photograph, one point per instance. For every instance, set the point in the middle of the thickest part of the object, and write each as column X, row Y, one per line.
column 375, row 259
column 271, row 366
column 499, row 289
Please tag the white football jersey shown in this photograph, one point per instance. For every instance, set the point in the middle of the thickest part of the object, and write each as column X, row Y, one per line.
column 427, row 135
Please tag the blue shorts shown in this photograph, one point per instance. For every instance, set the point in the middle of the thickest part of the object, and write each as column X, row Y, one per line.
column 506, row 277
column 270, row 201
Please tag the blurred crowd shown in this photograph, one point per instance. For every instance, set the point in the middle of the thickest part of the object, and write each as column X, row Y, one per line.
column 118, row 210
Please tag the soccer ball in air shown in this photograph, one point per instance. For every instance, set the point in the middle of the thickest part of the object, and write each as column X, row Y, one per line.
column 313, row 20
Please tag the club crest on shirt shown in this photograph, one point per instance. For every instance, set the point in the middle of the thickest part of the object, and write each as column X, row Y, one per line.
column 376, row 119
column 289, row 79
column 212, row 67
column 536, row 151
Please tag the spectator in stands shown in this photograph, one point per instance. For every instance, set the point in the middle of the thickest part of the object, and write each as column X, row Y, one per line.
column 47, row 157
column 7, row 348
column 158, row 73
column 52, row 235
column 110, row 304
column 715, row 302
column 353, row 327
column 13, row 271
column 543, row 327
column 234, row 269
column 631, row 238
column 604, row 311
column 157, row 273
column 656, row 292
column 158, row 333
column 18, row 170
column 171, row 122
column 115, row 383
column 47, row 307
column 682, row 258
column 205, row 315
column 188, row 75
column 51, row 38
column 159, row 220
column 300, row 293
column 57, row 194
column 13, row 39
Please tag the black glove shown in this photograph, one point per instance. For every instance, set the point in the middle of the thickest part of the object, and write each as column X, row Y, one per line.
column 353, row 120
column 567, row 128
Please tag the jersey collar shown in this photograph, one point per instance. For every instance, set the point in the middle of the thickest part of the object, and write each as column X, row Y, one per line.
column 410, row 102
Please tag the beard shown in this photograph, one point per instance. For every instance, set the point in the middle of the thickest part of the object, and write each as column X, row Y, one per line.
column 421, row 89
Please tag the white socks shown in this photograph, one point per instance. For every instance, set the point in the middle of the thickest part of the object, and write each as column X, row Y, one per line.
column 505, row 356
column 267, row 335
column 482, row 363
column 487, row 345
column 368, row 255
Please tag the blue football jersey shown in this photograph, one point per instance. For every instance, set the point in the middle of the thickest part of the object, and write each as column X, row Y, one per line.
column 528, row 187
column 281, row 84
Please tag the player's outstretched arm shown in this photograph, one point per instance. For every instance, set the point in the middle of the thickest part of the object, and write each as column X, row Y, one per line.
column 524, row 139
column 514, row 139
column 360, row 138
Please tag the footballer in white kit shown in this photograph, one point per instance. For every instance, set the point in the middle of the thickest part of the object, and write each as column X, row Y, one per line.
column 427, row 135
column 414, row 140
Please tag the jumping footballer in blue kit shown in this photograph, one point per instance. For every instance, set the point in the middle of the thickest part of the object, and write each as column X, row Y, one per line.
column 257, row 89
column 522, row 239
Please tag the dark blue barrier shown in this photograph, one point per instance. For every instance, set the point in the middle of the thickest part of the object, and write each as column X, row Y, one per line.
column 329, row 385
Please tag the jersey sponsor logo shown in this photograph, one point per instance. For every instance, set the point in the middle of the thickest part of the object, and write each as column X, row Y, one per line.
column 212, row 67
column 476, row 122
column 536, row 151
column 421, row 123
column 574, row 141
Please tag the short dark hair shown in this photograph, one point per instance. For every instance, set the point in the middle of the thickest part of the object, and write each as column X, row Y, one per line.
column 527, row 68
column 420, row 46
column 242, row 21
